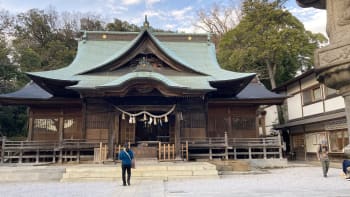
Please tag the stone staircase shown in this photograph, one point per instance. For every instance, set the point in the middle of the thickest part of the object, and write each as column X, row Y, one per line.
column 144, row 170
column 31, row 173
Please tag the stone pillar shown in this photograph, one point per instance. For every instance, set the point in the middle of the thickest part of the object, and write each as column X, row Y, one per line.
column 332, row 63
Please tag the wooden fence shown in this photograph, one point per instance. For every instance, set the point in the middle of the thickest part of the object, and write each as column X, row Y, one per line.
column 191, row 148
column 44, row 151
column 232, row 148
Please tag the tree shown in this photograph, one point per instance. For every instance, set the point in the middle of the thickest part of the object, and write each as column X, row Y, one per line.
column 269, row 41
column 40, row 42
column 119, row 25
column 219, row 19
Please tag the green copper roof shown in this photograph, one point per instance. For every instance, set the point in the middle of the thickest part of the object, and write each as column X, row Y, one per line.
column 199, row 57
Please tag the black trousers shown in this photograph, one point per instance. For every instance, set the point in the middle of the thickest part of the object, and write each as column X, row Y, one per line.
column 126, row 168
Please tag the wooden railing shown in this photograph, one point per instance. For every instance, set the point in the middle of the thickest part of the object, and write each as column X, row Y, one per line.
column 232, row 148
column 48, row 151
column 166, row 151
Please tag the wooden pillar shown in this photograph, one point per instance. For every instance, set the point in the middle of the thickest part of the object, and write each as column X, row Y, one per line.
column 60, row 135
column 250, row 152
column 206, row 117
column 83, row 119
column 264, row 148
column 20, row 153
column 30, row 125
column 229, row 123
column 177, row 135
column 234, row 153
column 111, row 135
column 3, row 149
column 226, row 146
column 280, row 146
column 210, row 150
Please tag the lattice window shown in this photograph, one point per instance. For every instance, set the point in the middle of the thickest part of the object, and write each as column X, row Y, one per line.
column 298, row 141
column 98, row 121
column 193, row 120
column 71, row 128
column 243, row 123
column 312, row 95
column 46, row 125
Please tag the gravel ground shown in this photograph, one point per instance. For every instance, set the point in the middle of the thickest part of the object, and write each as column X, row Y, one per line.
column 293, row 182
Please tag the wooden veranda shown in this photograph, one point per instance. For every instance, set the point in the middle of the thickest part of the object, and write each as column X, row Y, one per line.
column 191, row 149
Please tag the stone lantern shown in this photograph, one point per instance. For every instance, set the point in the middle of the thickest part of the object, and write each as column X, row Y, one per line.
column 332, row 63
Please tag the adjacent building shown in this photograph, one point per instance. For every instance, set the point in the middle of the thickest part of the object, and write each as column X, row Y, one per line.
column 312, row 113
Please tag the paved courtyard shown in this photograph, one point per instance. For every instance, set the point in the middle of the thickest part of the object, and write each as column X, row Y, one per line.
column 293, row 181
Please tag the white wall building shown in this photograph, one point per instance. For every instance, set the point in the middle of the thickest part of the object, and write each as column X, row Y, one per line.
column 312, row 112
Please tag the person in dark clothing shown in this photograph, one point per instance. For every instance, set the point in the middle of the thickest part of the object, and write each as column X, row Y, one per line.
column 126, row 156
column 346, row 169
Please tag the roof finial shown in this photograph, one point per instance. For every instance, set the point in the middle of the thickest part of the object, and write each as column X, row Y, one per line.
column 146, row 23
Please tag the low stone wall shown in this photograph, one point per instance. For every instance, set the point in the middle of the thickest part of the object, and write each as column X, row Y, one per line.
column 268, row 163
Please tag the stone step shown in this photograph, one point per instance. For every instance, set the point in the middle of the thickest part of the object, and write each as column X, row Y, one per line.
column 31, row 173
column 164, row 171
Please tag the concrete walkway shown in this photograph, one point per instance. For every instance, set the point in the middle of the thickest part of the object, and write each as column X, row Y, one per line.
column 292, row 181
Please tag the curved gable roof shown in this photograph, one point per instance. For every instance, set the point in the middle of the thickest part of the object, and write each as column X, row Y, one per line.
column 196, row 58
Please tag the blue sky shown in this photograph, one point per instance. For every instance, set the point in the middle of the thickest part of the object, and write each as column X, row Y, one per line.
column 175, row 15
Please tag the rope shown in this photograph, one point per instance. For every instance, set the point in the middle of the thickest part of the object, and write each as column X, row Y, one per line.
column 146, row 112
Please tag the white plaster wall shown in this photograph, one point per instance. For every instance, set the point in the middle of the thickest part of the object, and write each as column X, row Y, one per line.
column 334, row 103
column 271, row 118
column 308, row 81
column 294, row 107
column 312, row 109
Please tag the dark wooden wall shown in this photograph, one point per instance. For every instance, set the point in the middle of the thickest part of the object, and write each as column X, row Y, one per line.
column 239, row 121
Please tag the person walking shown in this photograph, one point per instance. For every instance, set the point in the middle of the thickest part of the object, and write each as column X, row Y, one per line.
column 126, row 156
column 322, row 155
column 346, row 169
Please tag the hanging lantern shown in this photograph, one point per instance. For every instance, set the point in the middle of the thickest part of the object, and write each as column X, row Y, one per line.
column 130, row 120
column 155, row 121
column 123, row 116
column 166, row 119
column 133, row 120
column 144, row 117
column 150, row 120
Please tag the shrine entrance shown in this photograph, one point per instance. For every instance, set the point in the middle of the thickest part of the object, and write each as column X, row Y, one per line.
column 147, row 130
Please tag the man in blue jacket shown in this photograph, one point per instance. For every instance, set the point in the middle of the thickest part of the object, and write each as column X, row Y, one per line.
column 126, row 156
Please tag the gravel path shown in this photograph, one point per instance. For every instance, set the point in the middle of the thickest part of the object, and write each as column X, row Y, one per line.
column 296, row 181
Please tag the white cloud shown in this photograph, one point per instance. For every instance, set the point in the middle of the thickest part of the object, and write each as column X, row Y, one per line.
column 181, row 14
column 151, row 2
column 115, row 8
column 314, row 20
column 131, row 2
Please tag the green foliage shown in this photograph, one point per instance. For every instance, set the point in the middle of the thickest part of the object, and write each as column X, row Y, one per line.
column 13, row 121
column 269, row 41
column 119, row 25
column 40, row 44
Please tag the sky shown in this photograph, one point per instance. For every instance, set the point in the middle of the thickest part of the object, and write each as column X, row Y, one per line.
column 174, row 15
